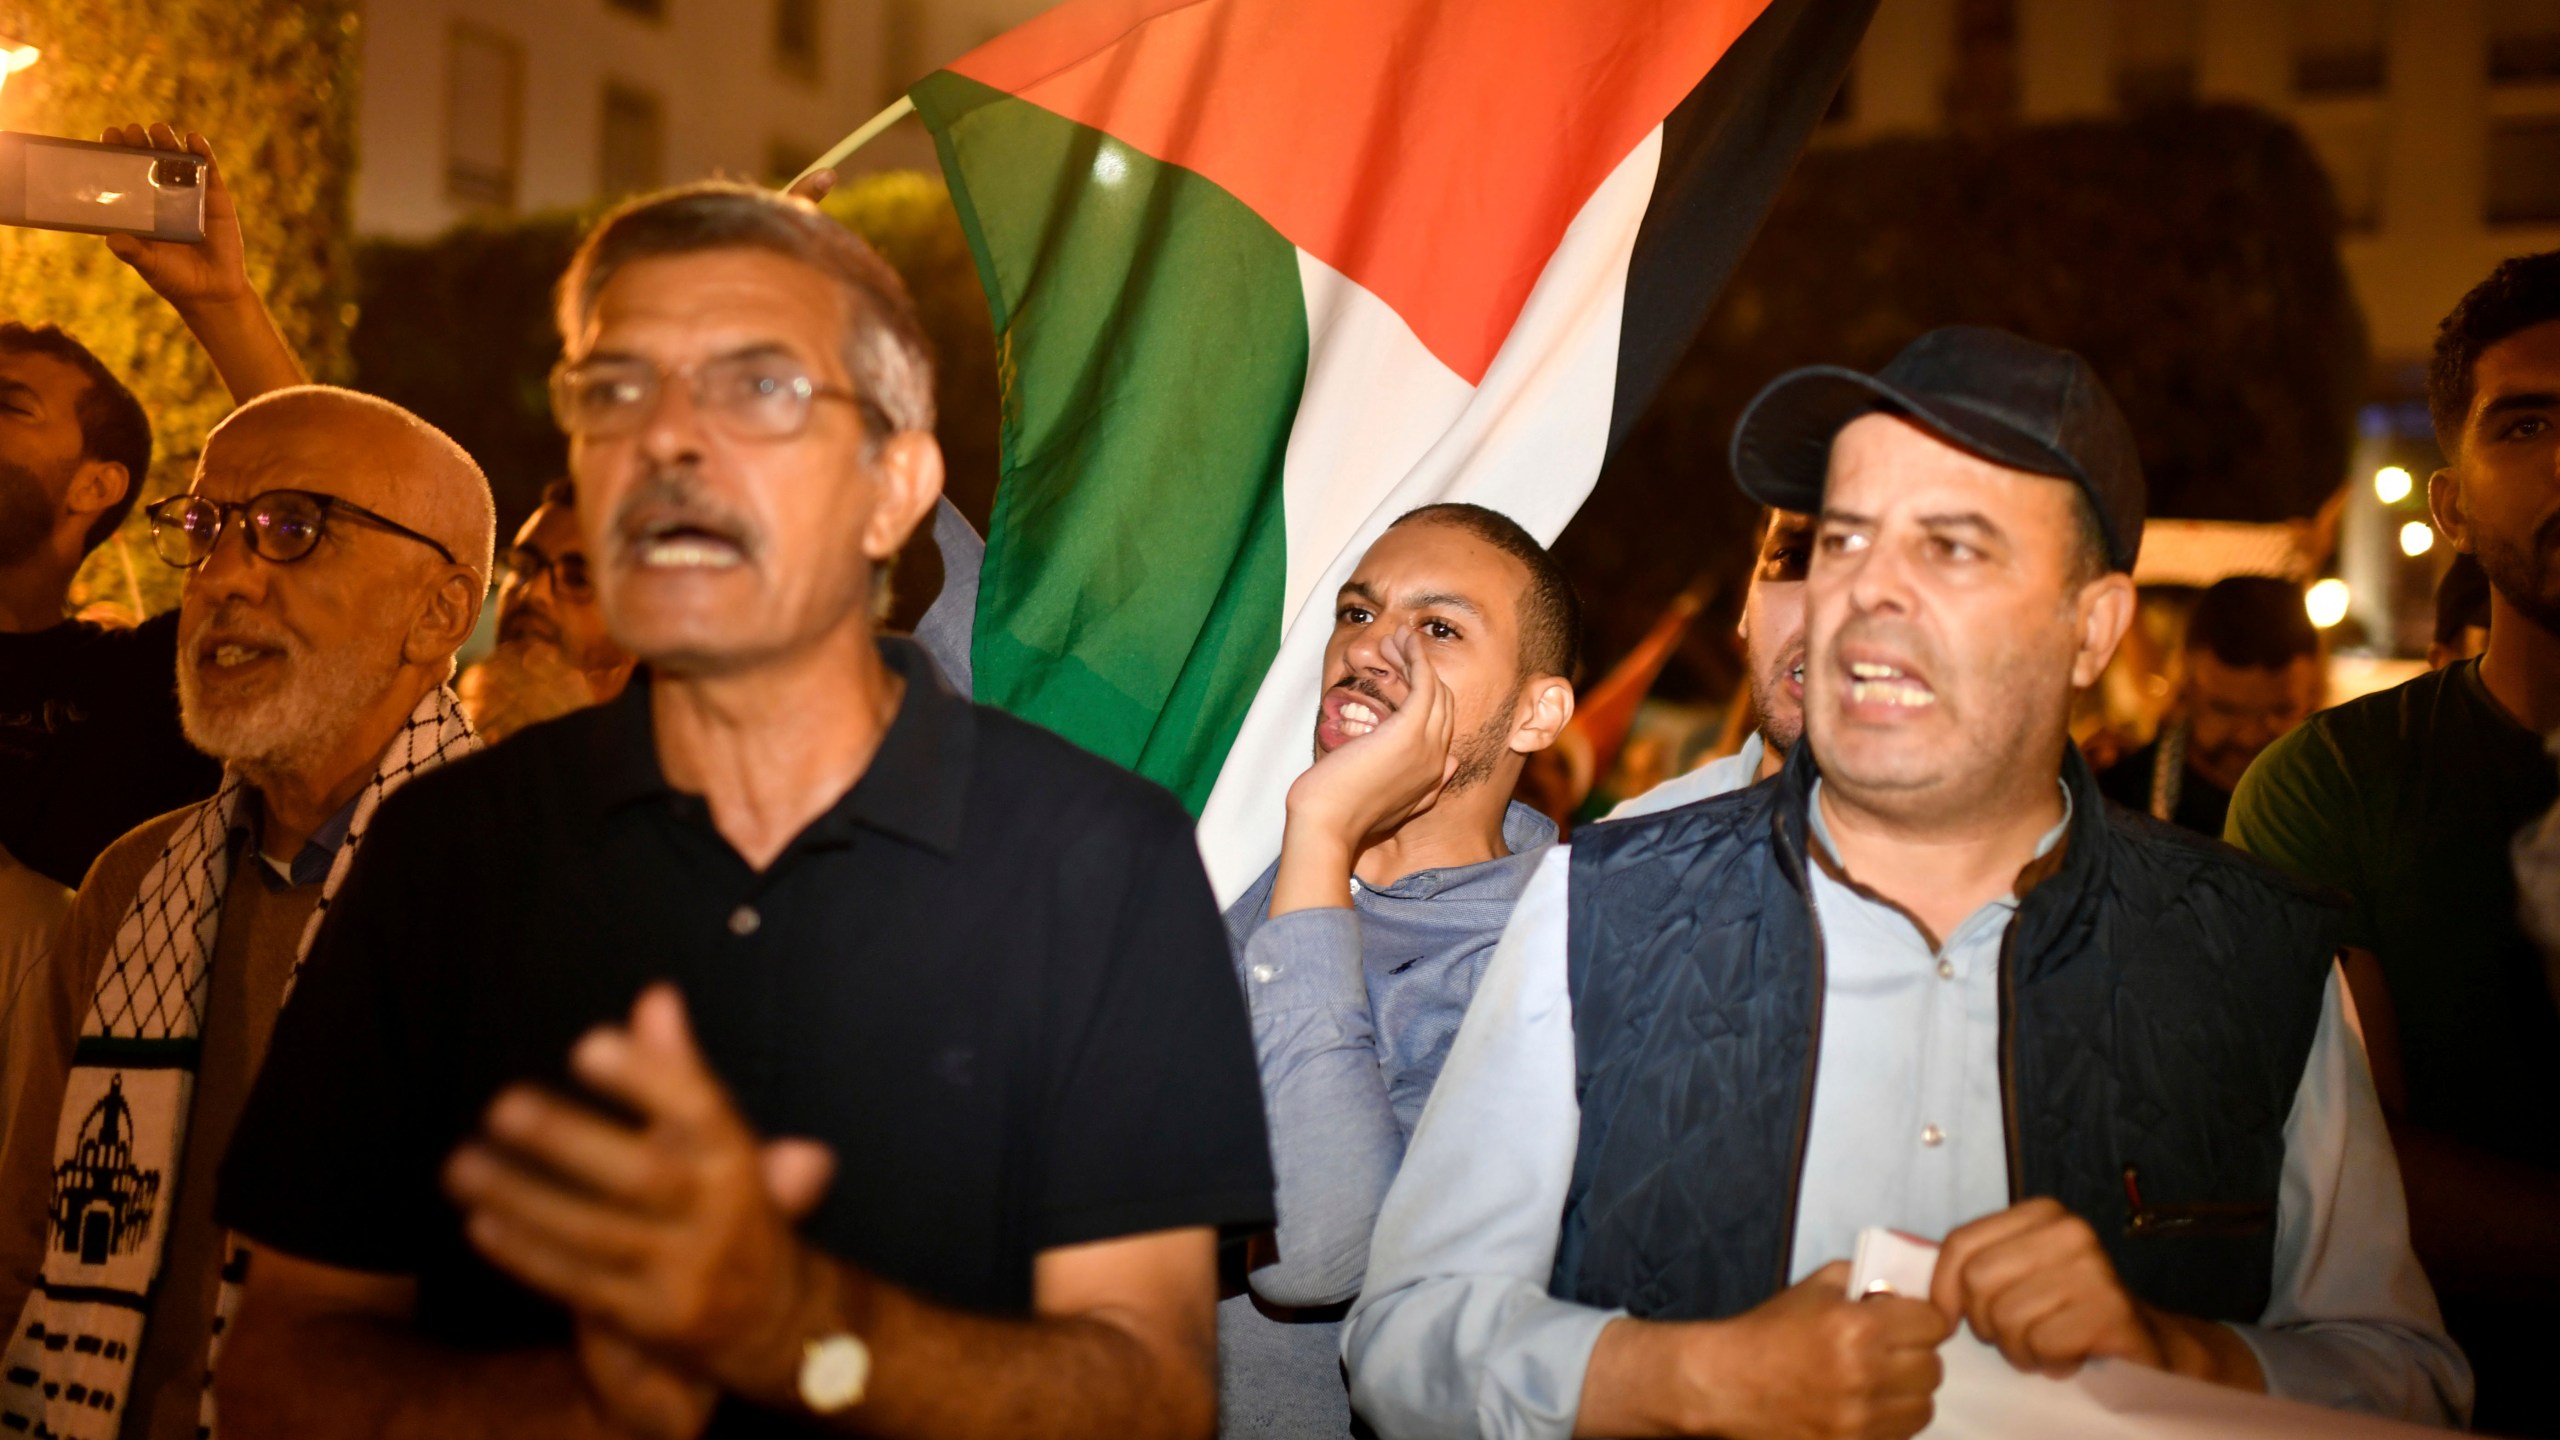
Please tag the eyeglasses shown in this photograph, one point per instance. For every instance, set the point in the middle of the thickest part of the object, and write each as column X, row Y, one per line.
column 750, row 397
column 282, row 527
column 569, row 577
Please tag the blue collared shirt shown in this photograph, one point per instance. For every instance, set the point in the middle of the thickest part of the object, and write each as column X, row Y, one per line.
column 310, row 864
column 1353, row 1013
column 1455, row 1333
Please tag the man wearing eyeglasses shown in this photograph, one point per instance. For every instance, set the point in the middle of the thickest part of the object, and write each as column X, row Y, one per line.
column 89, row 739
column 554, row 654
column 788, row 1045
column 336, row 551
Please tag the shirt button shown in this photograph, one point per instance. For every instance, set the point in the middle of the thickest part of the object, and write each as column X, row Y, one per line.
column 1931, row 1134
column 1946, row 969
column 744, row 920
column 1265, row 974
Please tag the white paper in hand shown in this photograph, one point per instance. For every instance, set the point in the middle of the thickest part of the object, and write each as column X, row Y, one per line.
column 1889, row 1262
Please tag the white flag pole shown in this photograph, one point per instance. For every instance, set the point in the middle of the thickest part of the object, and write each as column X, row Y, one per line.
column 869, row 132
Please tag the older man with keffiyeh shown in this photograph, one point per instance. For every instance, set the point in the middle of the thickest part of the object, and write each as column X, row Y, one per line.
column 337, row 551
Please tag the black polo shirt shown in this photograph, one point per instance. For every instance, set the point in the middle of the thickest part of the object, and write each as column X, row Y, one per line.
column 992, row 978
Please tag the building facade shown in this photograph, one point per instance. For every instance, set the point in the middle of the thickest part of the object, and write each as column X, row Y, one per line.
column 2438, row 120
column 497, row 107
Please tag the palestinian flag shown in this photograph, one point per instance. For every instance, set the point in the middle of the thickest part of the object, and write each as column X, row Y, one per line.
column 1267, row 274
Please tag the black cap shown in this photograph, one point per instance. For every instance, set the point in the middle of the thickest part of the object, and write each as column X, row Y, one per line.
column 2005, row 398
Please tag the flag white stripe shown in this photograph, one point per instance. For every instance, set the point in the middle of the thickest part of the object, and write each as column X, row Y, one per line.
column 1384, row 427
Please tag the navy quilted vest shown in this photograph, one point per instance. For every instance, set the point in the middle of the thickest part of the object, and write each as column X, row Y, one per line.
column 2159, row 993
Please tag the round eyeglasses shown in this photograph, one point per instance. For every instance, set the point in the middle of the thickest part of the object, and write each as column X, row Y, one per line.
column 755, row 396
column 282, row 525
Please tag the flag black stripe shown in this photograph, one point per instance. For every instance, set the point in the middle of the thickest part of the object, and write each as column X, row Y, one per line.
column 1725, row 151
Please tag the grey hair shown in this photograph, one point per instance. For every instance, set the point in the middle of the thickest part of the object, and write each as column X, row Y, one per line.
column 885, row 351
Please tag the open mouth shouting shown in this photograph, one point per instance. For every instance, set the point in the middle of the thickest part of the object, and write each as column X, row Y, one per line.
column 685, row 545
column 231, row 657
column 1350, row 710
column 1883, row 689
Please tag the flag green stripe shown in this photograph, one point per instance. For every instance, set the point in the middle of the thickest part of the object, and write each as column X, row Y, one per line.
column 1151, row 341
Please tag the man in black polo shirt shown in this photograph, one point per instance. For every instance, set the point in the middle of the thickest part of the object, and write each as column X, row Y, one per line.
column 787, row 1042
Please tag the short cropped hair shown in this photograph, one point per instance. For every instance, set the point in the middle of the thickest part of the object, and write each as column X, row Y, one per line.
column 2092, row 554
column 112, row 425
column 885, row 350
column 2521, row 293
column 2462, row 599
column 1550, row 613
column 2254, row 622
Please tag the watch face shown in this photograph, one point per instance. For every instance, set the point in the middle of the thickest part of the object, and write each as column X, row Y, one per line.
column 833, row 1372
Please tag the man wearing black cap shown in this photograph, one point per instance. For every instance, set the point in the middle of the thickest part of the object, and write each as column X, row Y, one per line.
column 1928, row 980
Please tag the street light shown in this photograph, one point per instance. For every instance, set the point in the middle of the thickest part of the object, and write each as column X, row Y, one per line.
column 2417, row 538
column 2327, row 602
column 2392, row 484
column 15, row 57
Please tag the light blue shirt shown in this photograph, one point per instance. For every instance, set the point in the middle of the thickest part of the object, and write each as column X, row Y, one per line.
column 1457, row 1336
column 1716, row 777
column 1929, row 1151
column 1353, row 1012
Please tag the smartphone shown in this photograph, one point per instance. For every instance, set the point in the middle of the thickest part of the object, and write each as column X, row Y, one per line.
column 50, row 184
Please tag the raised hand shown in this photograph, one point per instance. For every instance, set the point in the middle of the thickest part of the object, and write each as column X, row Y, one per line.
column 1376, row 781
column 212, row 271
column 207, row 281
column 1369, row 784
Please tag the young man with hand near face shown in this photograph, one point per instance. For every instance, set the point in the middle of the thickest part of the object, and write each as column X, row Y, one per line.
column 1926, row 980
column 1450, row 664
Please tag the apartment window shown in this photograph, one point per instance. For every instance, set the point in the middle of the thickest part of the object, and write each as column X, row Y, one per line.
column 2156, row 53
column 796, row 37
column 2524, row 170
column 483, row 117
column 2338, row 46
column 2524, row 40
column 2350, row 149
column 644, row 9
column 635, row 140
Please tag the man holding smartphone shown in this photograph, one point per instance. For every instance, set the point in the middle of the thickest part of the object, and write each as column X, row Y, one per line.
column 89, row 738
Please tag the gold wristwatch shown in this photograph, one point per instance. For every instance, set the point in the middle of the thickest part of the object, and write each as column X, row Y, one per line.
column 834, row 1370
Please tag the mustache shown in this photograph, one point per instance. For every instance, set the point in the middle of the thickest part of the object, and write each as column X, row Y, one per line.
column 235, row 623
column 528, row 624
column 1362, row 685
column 669, row 499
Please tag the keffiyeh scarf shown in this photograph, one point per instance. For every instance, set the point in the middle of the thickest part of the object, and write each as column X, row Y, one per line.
column 69, row 1362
